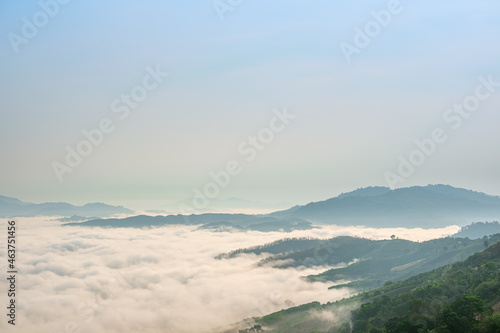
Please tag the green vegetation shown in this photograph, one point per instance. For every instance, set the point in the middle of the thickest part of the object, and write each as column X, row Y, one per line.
column 277, row 316
column 398, row 259
column 366, row 263
column 478, row 230
column 286, row 245
column 456, row 298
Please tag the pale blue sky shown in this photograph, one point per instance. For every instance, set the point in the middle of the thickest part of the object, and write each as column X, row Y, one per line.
column 225, row 78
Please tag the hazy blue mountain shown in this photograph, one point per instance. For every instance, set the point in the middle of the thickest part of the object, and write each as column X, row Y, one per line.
column 11, row 207
column 76, row 218
column 286, row 212
column 221, row 226
column 371, row 191
column 427, row 206
column 478, row 230
column 214, row 222
column 419, row 206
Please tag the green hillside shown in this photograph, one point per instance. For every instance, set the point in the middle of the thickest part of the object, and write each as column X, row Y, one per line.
column 366, row 263
column 455, row 298
column 461, row 297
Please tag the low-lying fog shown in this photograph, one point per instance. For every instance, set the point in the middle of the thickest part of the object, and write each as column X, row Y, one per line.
column 74, row 279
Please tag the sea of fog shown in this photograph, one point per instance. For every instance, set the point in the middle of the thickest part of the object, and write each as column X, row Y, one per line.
column 75, row 279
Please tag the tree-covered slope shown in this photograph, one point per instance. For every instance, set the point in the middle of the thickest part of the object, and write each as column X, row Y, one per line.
column 455, row 298
column 463, row 297
column 365, row 263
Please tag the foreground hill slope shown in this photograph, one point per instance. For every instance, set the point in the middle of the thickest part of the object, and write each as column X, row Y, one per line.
column 463, row 297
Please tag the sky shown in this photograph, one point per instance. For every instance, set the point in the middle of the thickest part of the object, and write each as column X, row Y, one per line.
column 293, row 101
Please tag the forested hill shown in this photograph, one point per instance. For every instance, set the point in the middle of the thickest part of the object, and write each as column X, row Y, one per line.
column 366, row 263
column 463, row 297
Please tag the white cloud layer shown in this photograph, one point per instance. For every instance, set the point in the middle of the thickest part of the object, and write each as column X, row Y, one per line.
column 74, row 279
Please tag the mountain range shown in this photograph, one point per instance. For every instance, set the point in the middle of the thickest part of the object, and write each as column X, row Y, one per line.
column 417, row 206
column 11, row 207
column 428, row 206
column 212, row 222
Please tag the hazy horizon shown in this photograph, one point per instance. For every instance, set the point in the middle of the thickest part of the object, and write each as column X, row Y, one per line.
column 219, row 205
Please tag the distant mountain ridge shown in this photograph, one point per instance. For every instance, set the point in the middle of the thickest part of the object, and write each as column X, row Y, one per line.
column 210, row 221
column 430, row 206
column 371, row 191
column 12, row 207
column 417, row 206
column 479, row 230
